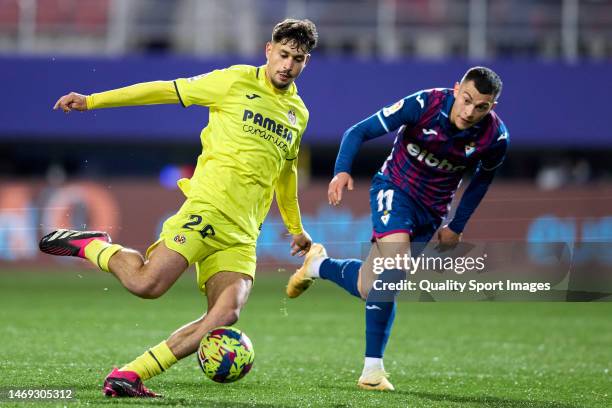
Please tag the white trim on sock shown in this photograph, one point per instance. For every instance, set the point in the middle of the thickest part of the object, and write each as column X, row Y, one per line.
column 315, row 265
column 372, row 364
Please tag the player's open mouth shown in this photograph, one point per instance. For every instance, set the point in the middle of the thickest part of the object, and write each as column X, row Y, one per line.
column 284, row 77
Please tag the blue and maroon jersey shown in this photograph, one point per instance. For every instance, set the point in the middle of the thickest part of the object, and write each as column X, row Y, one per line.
column 430, row 155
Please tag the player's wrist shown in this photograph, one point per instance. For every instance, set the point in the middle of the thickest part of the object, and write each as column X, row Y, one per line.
column 341, row 171
column 296, row 231
column 455, row 227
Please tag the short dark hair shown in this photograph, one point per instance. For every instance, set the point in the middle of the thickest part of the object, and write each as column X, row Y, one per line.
column 486, row 81
column 302, row 32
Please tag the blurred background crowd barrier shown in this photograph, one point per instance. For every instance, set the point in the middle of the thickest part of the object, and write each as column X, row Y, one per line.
column 550, row 29
column 116, row 169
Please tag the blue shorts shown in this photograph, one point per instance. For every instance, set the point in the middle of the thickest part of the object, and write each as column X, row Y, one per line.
column 393, row 211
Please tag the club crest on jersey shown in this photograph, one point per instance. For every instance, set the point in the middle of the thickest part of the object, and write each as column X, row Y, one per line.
column 469, row 149
column 291, row 117
column 385, row 218
column 180, row 239
column 390, row 110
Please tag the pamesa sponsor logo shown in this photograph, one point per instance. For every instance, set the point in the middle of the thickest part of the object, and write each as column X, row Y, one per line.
column 268, row 124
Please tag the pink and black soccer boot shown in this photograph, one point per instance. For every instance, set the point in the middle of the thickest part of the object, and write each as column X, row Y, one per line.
column 65, row 242
column 126, row 384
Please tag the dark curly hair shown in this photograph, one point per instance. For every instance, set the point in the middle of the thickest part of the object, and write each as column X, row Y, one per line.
column 302, row 32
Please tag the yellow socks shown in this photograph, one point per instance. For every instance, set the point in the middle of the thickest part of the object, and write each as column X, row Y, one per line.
column 99, row 253
column 153, row 362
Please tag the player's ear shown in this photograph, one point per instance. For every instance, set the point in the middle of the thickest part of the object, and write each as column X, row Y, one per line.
column 456, row 89
column 306, row 59
column 268, row 49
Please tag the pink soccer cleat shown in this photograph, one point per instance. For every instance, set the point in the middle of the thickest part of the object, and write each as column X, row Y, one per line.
column 65, row 242
column 126, row 384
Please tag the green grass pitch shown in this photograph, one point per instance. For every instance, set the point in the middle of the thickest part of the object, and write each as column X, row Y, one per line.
column 67, row 330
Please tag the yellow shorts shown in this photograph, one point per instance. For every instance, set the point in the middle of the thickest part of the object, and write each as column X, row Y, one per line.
column 210, row 240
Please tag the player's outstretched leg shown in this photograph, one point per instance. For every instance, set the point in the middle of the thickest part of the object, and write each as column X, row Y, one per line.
column 93, row 245
column 148, row 278
column 343, row 272
column 227, row 293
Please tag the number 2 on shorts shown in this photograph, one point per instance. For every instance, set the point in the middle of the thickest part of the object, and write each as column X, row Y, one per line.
column 207, row 231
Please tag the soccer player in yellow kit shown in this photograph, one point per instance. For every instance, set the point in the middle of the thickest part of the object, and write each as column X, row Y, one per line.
column 250, row 149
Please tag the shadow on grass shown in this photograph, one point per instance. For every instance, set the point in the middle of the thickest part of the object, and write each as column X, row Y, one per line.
column 489, row 401
column 85, row 395
column 173, row 402
column 168, row 400
column 484, row 400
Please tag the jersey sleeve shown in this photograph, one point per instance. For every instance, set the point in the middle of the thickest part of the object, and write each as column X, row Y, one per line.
column 146, row 93
column 495, row 155
column 287, row 197
column 406, row 111
column 206, row 89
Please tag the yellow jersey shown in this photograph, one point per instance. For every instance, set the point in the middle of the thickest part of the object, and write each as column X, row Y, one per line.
column 249, row 147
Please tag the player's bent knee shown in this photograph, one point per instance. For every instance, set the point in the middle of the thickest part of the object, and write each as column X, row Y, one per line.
column 363, row 290
column 385, row 286
column 230, row 316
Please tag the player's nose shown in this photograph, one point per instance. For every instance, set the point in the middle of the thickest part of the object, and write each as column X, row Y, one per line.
column 469, row 112
column 288, row 64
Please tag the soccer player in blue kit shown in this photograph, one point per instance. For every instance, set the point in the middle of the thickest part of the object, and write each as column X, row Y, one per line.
column 442, row 133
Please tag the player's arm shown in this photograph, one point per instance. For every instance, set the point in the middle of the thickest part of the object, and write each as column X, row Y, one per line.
column 450, row 234
column 146, row 93
column 287, row 199
column 406, row 111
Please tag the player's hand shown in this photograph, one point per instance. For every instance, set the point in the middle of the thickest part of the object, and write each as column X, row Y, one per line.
column 72, row 101
column 300, row 244
column 336, row 187
column 447, row 238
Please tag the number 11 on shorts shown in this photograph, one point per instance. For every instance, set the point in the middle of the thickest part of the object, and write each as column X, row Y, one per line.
column 385, row 200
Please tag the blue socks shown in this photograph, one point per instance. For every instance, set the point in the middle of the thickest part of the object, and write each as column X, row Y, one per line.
column 380, row 313
column 379, row 319
column 344, row 272
column 380, row 304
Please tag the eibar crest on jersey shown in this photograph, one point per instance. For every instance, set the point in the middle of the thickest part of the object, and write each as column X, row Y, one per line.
column 469, row 149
